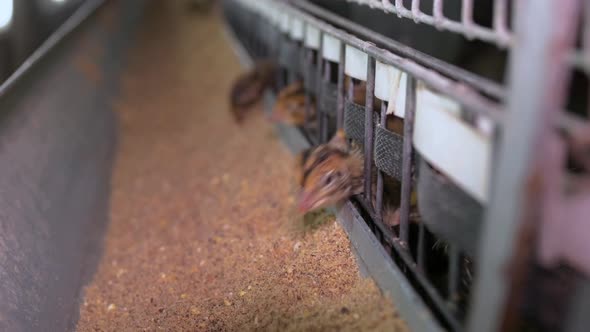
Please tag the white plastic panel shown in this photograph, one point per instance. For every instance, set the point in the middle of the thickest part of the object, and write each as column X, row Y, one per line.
column 284, row 21
column 356, row 63
column 485, row 125
column 6, row 13
column 390, row 85
column 265, row 9
column 253, row 6
column 275, row 15
column 331, row 48
column 458, row 150
column 296, row 28
column 312, row 37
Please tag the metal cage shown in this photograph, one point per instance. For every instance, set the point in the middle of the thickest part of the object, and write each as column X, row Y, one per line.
column 501, row 169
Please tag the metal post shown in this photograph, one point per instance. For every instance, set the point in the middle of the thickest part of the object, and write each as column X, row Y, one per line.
column 379, row 198
column 324, row 114
column 407, row 159
column 309, row 63
column 318, row 88
column 421, row 244
column 452, row 282
column 537, row 84
column 340, row 110
column 369, row 130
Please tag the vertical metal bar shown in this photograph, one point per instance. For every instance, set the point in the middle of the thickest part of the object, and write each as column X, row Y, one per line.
column 257, row 50
column 351, row 90
column 416, row 9
column 340, row 110
column 437, row 12
column 369, row 129
column 280, row 71
column 421, row 244
column 467, row 15
column 294, row 48
column 379, row 198
column 277, row 43
column 319, row 87
column 319, row 98
column 454, row 262
column 586, row 32
column 407, row 159
column 327, row 76
column 538, row 76
column 267, row 30
column 500, row 16
column 586, row 46
column 308, row 64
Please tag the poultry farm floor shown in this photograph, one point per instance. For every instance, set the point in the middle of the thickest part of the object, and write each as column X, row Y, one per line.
column 203, row 232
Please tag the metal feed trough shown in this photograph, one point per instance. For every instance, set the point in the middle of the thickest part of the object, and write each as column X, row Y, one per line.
column 492, row 162
column 62, row 62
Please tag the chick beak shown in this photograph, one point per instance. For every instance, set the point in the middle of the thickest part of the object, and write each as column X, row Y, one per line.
column 275, row 117
column 305, row 202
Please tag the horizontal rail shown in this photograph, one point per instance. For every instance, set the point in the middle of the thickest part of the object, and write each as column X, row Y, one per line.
column 499, row 35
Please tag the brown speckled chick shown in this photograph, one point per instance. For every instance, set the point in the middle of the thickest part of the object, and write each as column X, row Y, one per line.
column 249, row 87
column 290, row 106
column 331, row 173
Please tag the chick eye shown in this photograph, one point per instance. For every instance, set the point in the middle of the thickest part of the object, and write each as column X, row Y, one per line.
column 329, row 179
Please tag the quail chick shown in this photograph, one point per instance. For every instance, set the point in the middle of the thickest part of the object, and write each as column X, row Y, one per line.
column 290, row 107
column 331, row 173
column 249, row 87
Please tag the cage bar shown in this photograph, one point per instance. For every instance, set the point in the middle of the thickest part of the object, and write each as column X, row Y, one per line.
column 421, row 260
column 308, row 63
column 324, row 113
column 407, row 159
column 318, row 87
column 453, row 278
column 369, row 130
column 500, row 17
column 379, row 193
column 415, row 8
column 340, row 110
column 467, row 16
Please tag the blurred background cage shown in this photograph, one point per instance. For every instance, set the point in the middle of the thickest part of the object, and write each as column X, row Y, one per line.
column 493, row 95
column 18, row 37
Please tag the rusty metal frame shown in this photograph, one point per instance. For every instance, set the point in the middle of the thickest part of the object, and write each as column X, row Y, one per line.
column 511, row 201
